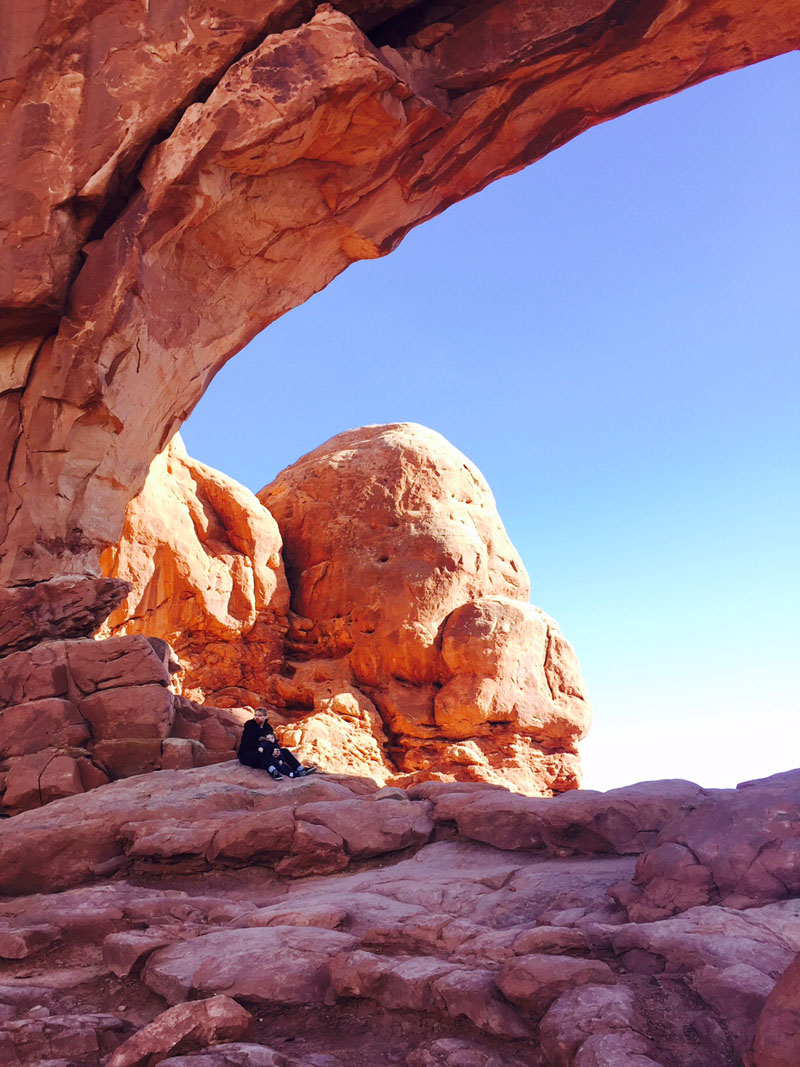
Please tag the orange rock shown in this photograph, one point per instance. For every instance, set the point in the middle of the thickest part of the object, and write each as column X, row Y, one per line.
column 342, row 729
column 412, row 603
column 203, row 559
column 387, row 529
column 509, row 663
column 413, row 651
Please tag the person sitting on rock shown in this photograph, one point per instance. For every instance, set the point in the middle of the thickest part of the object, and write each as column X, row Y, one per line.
column 259, row 747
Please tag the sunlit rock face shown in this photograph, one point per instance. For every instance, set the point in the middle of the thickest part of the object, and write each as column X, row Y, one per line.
column 177, row 176
column 203, row 558
column 410, row 650
column 404, row 578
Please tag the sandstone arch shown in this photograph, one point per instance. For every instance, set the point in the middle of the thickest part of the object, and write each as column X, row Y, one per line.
column 179, row 180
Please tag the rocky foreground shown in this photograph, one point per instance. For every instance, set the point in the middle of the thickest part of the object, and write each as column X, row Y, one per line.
column 211, row 917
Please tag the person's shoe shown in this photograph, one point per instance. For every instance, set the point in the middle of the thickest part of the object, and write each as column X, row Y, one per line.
column 301, row 772
column 274, row 774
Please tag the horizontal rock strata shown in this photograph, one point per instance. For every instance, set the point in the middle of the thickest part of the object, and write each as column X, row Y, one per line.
column 77, row 714
column 414, row 937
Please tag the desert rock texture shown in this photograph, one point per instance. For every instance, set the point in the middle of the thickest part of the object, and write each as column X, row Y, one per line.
column 406, row 587
column 410, row 650
column 203, row 561
column 76, row 714
column 209, row 917
column 175, row 178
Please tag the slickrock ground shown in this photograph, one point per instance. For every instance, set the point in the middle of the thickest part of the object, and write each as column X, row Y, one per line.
column 411, row 647
column 203, row 559
column 210, row 917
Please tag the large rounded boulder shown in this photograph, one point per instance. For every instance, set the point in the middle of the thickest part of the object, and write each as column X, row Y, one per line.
column 400, row 566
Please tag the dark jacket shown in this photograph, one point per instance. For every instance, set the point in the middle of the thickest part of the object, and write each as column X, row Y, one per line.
column 251, row 737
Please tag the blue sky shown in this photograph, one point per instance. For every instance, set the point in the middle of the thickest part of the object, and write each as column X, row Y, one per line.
column 612, row 337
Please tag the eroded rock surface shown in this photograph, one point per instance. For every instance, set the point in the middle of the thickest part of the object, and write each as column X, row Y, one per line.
column 411, row 650
column 326, row 923
column 77, row 714
column 174, row 180
column 203, row 559
column 410, row 600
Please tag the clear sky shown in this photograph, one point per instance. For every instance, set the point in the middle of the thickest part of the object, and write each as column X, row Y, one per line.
column 612, row 336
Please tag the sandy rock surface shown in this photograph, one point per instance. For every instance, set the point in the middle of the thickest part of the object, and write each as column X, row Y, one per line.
column 359, row 926
column 161, row 209
column 410, row 650
column 175, row 177
column 185, row 1028
column 778, row 1031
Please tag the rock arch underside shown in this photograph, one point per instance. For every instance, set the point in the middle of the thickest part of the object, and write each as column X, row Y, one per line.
column 175, row 176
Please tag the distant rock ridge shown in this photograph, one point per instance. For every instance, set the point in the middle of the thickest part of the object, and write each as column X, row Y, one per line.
column 410, row 649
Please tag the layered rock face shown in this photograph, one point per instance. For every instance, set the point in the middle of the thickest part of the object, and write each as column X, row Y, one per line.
column 203, row 559
column 76, row 714
column 407, row 591
column 325, row 923
column 176, row 178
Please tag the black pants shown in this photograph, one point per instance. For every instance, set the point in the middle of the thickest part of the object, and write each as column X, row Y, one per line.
column 286, row 763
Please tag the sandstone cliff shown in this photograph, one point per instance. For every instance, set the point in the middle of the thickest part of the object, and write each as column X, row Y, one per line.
column 176, row 177
column 411, row 650
column 203, row 559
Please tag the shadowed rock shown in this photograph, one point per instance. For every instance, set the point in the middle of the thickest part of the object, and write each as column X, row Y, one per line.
column 175, row 182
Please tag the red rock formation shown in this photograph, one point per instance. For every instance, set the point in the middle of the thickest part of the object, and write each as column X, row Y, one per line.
column 413, row 603
column 505, row 943
column 185, row 1028
column 175, row 178
column 76, row 714
column 178, row 179
column 203, row 559
column 412, row 650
